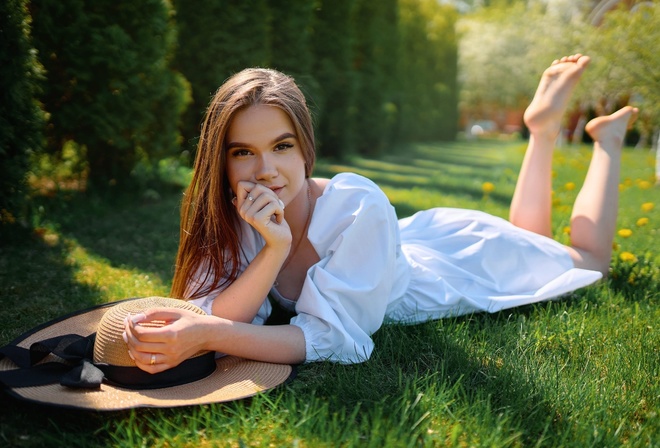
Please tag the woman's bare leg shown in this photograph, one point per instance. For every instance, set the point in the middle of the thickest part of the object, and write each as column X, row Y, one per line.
column 532, row 200
column 593, row 221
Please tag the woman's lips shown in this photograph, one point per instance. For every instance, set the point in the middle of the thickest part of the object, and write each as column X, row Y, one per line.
column 276, row 190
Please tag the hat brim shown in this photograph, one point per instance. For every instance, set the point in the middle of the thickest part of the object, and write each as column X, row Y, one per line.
column 234, row 378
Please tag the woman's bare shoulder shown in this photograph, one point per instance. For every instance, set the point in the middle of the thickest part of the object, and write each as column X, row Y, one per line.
column 320, row 182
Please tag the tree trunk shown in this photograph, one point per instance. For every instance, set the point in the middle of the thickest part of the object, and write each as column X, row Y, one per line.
column 578, row 133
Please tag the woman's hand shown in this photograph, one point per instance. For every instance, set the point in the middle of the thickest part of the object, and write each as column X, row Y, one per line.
column 260, row 207
column 156, row 348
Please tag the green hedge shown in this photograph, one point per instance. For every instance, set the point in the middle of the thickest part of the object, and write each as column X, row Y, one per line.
column 109, row 86
column 119, row 74
column 374, row 72
column 216, row 39
column 21, row 120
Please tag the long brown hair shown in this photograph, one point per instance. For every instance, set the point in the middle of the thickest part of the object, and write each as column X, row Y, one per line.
column 209, row 246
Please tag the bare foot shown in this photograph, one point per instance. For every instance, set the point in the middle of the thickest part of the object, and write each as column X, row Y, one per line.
column 612, row 128
column 544, row 114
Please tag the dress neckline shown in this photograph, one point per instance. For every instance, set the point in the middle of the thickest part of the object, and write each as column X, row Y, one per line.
column 288, row 304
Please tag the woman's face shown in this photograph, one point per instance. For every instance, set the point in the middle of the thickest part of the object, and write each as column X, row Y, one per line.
column 263, row 148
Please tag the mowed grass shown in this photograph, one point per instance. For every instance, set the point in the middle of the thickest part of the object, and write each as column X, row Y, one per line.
column 581, row 371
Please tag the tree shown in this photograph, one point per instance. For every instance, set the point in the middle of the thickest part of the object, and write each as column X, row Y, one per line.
column 332, row 48
column 626, row 65
column 625, row 61
column 109, row 86
column 216, row 39
column 375, row 64
column 290, row 36
column 21, row 120
column 291, row 45
column 503, row 50
column 428, row 70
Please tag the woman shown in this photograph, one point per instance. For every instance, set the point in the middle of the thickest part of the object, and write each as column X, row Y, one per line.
column 331, row 251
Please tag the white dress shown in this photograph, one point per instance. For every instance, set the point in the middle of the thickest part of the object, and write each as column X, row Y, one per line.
column 440, row 262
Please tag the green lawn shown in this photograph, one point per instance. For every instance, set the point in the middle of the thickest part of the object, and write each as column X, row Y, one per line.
column 579, row 372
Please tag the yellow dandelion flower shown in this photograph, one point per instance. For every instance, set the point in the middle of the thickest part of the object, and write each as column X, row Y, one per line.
column 488, row 187
column 567, row 230
column 569, row 186
column 642, row 222
column 644, row 184
column 627, row 256
column 647, row 206
column 625, row 233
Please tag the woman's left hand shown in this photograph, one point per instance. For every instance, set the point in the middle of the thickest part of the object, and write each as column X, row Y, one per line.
column 156, row 348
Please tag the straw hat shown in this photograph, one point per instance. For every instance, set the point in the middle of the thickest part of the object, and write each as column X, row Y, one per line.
column 201, row 379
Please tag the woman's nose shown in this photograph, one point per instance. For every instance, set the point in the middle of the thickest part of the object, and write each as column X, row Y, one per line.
column 266, row 168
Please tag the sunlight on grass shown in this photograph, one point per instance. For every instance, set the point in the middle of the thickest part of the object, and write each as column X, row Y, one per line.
column 578, row 371
column 114, row 283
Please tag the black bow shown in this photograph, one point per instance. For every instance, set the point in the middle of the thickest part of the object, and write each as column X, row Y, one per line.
column 79, row 371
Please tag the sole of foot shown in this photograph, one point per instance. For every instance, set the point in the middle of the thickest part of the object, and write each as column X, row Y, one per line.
column 612, row 127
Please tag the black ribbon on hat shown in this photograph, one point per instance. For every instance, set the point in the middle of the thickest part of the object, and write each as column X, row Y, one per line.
column 79, row 371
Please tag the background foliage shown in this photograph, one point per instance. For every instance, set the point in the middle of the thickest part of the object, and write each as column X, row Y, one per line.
column 109, row 87
column 21, row 120
column 127, row 83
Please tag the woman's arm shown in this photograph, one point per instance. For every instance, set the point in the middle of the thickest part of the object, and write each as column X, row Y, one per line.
column 186, row 333
column 241, row 300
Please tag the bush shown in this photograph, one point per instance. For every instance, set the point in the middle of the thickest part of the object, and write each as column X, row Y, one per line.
column 376, row 55
column 429, row 66
column 216, row 39
column 332, row 47
column 21, row 120
column 109, row 86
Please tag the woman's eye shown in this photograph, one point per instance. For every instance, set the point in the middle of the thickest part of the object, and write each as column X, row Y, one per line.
column 240, row 153
column 283, row 146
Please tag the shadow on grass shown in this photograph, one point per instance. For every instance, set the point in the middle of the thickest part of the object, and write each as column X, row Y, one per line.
column 37, row 284
column 37, row 281
column 434, row 168
column 471, row 384
column 130, row 232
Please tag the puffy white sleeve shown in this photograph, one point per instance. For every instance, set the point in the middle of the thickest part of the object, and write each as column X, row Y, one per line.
column 344, row 297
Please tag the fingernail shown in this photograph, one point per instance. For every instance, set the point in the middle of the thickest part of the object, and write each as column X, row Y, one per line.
column 281, row 204
column 125, row 337
column 131, row 355
column 138, row 318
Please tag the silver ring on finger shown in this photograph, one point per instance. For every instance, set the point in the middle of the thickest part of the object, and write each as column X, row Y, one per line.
column 250, row 198
column 153, row 359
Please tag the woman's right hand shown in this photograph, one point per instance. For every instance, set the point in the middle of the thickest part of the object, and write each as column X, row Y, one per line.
column 158, row 348
column 260, row 207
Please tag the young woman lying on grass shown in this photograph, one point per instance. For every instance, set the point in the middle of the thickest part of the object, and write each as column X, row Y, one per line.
column 261, row 238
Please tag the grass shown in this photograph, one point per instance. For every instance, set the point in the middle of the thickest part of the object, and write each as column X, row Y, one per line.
column 579, row 372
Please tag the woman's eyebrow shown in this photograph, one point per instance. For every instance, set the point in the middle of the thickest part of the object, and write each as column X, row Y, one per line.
column 283, row 137
column 231, row 145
